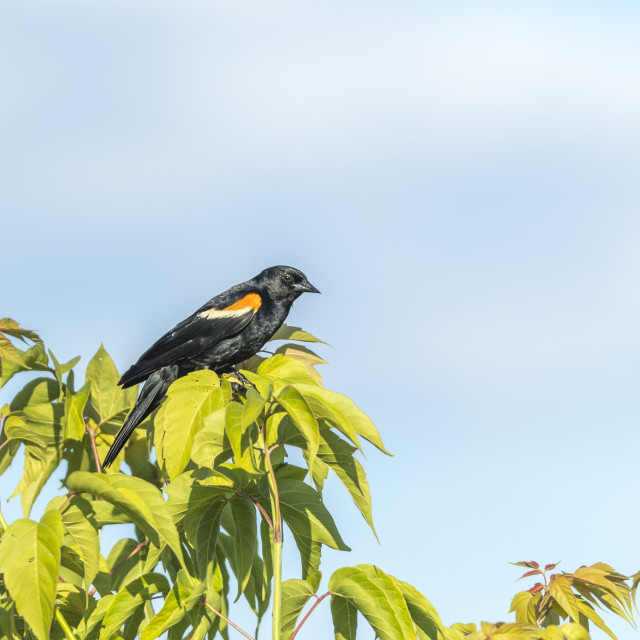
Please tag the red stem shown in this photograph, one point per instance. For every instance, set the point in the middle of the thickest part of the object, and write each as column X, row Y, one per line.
column 315, row 604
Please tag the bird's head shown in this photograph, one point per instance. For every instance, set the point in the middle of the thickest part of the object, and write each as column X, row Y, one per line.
column 286, row 283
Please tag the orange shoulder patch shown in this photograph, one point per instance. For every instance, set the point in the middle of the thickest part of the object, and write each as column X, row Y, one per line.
column 250, row 301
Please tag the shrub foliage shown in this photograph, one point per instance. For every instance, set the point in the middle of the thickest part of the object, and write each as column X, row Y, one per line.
column 213, row 484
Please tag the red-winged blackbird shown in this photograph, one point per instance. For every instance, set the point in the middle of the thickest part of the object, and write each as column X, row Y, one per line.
column 228, row 329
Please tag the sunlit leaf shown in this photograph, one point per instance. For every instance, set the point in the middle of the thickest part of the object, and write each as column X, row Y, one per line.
column 190, row 400
column 30, row 562
column 286, row 332
column 129, row 599
column 295, row 595
column 376, row 596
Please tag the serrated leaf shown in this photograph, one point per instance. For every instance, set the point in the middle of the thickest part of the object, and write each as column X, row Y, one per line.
column 129, row 599
column 531, row 565
column 377, row 597
column 560, row 590
column 293, row 402
column 190, row 400
column 295, row 595
column 30, row 561
column 522, row 605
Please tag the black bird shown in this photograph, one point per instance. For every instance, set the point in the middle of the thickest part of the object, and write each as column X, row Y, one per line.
column 228, row 329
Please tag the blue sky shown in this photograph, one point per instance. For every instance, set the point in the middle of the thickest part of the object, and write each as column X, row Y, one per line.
column 460, row 181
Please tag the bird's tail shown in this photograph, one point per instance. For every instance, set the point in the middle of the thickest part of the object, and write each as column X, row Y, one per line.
column 150, row 397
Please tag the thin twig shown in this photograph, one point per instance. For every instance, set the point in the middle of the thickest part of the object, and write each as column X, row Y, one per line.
column 315, row 604
column 235, row 626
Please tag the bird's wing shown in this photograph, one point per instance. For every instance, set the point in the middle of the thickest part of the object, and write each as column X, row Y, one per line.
column 208, row 326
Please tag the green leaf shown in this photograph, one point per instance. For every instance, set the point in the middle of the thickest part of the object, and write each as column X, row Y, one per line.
column 589, row 612
column 350, row 414
column 61, row 369
column 423, row 613
column 182, row 598
column 345, row 618
column 253, row 406
column 377, row 597
column 309, row 521
column 292, row 401
column 84, row 538
column 38, row 391
column 304, row 355
column 130, row 598
column 286, row 332
column 102, row 375
column 190, row 400
column 10, row 327
column 338, row 455
column 560, row 590
column 305, row 514
column 523, row 604
column 239, row 437
column 281, row 369
column 245, row 539
column 74, row 424
column 139, row 500
column 323, row 404
column 38, row 467
column 295, row 595
column 30, row 561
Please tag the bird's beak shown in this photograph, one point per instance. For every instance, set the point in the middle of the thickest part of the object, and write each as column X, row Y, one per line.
column 305, row 287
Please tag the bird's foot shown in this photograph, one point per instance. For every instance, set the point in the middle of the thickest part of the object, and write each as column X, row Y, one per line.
column 239, row 382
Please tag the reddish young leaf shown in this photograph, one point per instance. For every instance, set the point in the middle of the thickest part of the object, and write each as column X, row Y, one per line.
column 530, row 573
column 537, row 588
column 530, row 565
column 548, row 567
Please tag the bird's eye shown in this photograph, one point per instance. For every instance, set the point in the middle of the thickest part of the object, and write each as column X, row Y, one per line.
column 287, row 278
